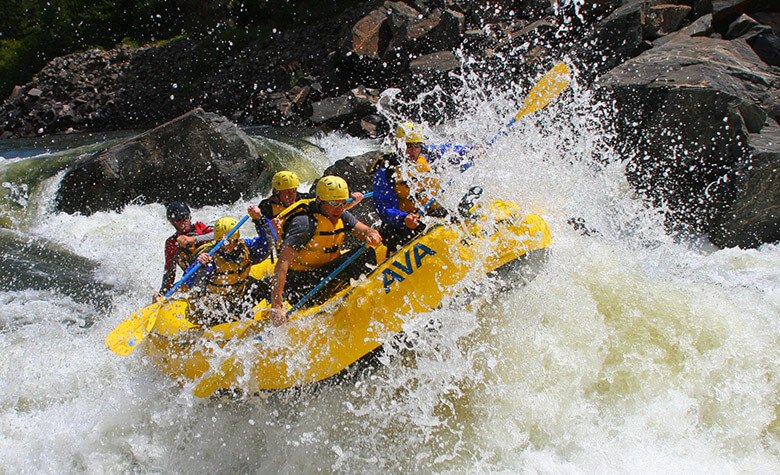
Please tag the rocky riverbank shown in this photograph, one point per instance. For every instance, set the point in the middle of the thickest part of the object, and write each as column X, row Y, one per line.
column 696, row 84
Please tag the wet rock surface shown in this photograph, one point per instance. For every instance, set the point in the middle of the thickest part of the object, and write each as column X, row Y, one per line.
column 200, row 156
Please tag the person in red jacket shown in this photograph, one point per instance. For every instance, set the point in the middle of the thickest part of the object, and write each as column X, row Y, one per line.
column 179, row 248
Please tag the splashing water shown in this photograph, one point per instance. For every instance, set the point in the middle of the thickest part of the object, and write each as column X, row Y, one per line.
column 630, row 351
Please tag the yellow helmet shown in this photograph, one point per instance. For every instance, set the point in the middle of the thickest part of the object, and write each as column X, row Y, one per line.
column 410, row 132
column 223, row 226
column 331, row 188
column 285, row 180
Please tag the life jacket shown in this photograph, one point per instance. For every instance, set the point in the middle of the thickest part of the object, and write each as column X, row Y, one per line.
column 271, row 207
column 424, row 183
column 230, row 271
column 184, row 255
column 324, row 246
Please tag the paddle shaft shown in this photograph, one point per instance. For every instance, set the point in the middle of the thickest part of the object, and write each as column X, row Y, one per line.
column 365, row 195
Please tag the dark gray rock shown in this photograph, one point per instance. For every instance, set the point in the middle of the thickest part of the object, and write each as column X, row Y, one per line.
column 740, row 26
column 333, row 110
column 701, row 27
column 701, row 7
column 753, row 217
column 536, row 27
column 442, row 62
column 35, row 263
column 695, row 105
column 766, row 44
column 370, row 126
column 724, row 12
column 200, row 158
column 661, row 20
column 770, row 19
column 364, row 99
column 761, row 38
column 614, row 39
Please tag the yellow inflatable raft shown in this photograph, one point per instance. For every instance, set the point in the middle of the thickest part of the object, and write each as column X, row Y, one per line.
column 321, row 341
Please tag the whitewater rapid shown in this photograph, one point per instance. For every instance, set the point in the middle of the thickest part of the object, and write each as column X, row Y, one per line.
column 632, row 351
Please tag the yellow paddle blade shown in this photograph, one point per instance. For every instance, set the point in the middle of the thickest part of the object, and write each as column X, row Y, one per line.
column 125, row 338
column 546, row 89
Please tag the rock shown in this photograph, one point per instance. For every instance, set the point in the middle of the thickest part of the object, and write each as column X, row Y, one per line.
column 766, row 44
column 760, row 37
column 700, row 27
column 298, row 95
column 436, row 31
column 371, row 35
column 332, row 110
column 355, row 171
column 545, row 24
column 724, row 12
column 614, row 39
column 740, row 26
column 442, row 61
column 200, row 158
column 388, row 35
column 770, row 19
column 364, row 99
column 372, row 126
column 15, row 94
column 694, row 105
column 36, row 263
column 753, row 216
column 661, row 20
column 701, row 7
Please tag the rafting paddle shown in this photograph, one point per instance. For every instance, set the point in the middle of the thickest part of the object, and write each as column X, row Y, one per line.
column 544, row 91
column 128, row 334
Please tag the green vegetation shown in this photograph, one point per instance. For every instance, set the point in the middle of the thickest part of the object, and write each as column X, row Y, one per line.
column 32, row 32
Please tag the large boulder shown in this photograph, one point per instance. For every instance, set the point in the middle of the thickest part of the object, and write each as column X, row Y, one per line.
column 761, row 38
column 724, row 12
column 753, row 216
column 697, row 117
column 201, row 158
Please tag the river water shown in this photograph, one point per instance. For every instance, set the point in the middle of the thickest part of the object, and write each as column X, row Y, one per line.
column 632, row 351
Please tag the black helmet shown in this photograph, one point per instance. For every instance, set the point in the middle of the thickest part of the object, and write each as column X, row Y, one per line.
column 177, row 210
